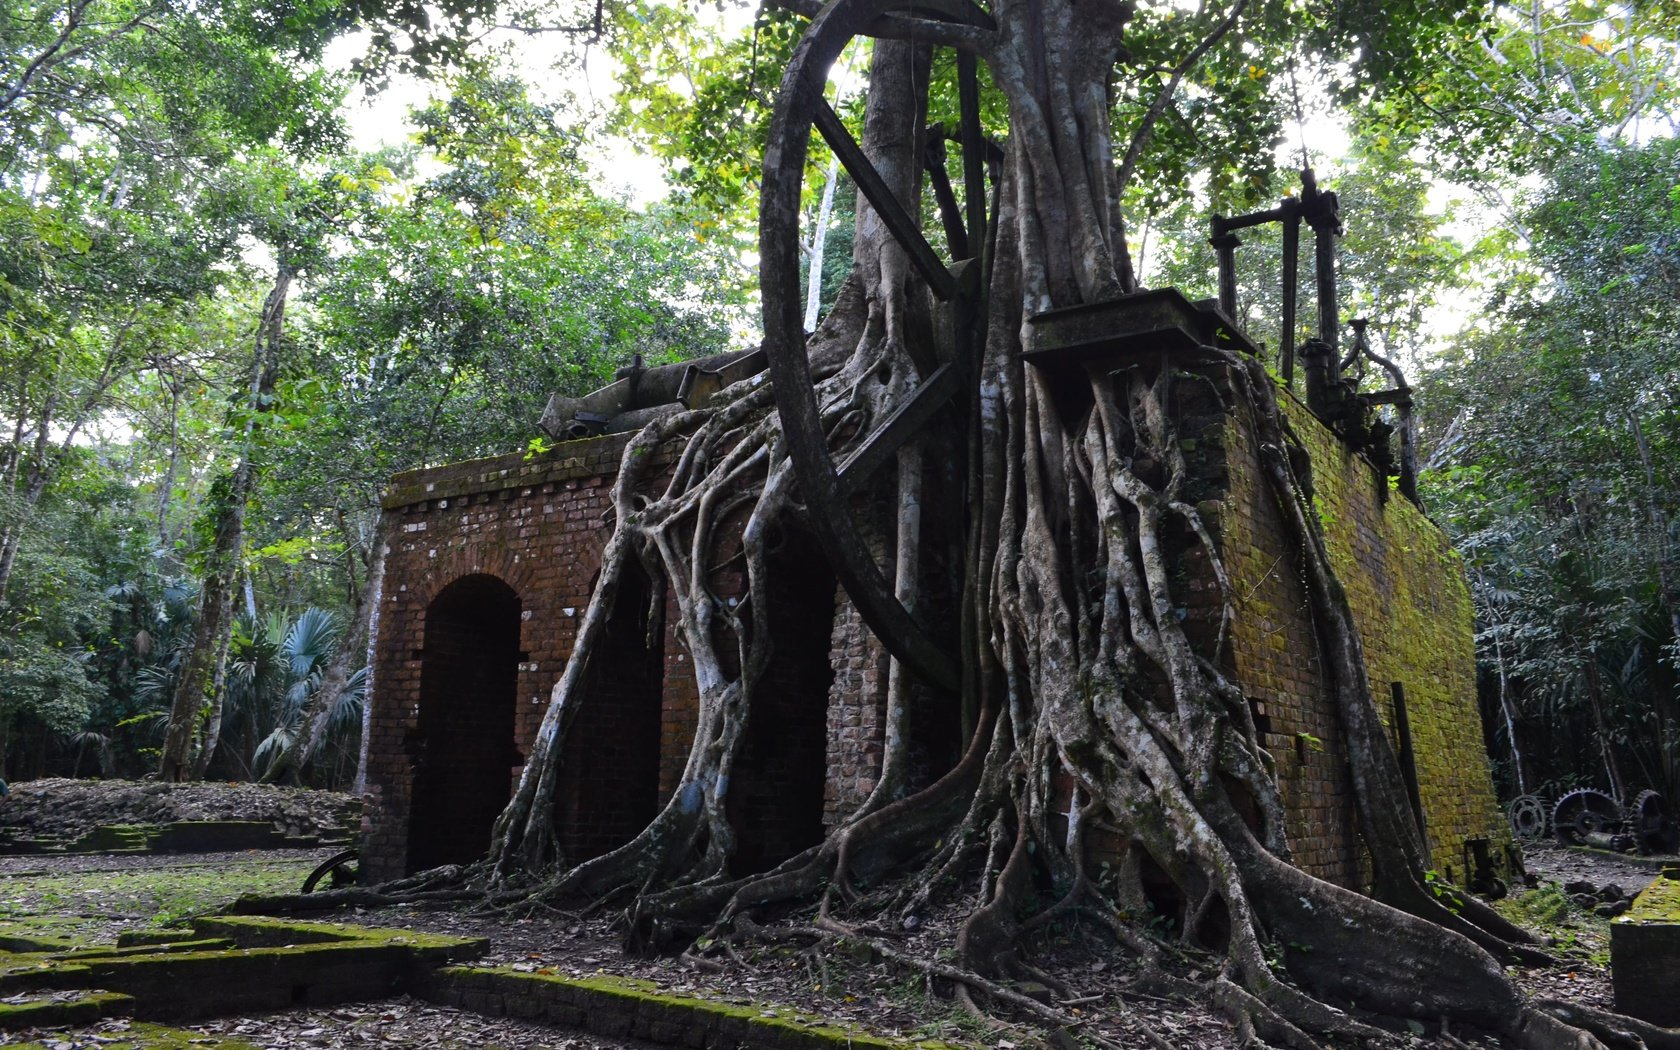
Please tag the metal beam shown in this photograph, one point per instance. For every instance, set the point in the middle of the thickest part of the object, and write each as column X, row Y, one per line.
column 880, row 197
column 906, row 422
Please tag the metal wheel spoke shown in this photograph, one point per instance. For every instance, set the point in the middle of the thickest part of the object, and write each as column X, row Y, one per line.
column 900, row 427
column 892, row 213
column 800, row 109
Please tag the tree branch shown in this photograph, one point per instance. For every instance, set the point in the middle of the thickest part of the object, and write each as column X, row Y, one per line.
column 1146, row 127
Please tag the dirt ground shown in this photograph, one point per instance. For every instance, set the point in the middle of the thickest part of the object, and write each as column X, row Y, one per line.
column 97, row 897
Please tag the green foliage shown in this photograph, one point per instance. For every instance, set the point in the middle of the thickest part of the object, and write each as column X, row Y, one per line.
column 53, row 625
column 275, row 666
column 1557, row 430
column 1547, row 907
column 1533, row 84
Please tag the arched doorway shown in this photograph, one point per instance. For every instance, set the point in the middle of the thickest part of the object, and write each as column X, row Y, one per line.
column 463, row 746
column 609, row 769
column 775, row 800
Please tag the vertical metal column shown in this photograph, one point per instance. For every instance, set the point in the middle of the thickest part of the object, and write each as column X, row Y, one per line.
column 1324, row 264
column 1291, row 291
column 1225, row 244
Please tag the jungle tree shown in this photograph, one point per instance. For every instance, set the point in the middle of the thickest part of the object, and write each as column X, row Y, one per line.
column 1057, row 668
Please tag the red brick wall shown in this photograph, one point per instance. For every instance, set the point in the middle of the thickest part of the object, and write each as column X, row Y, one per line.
column 538, row 526
column 813, row 749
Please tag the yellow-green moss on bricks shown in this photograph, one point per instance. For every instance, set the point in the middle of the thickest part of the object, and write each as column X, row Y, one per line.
column 644, row 1009
column 259, row 931
column 47, row 1010
column 1657, row 903
column 1411, row 605
column 29, row 935
column 155, row 1037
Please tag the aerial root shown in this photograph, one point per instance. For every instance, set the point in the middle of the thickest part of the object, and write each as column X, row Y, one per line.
column 962, row 978
column 1256, row 1022
column 349, row 897
column 1614, row 1030
column 1540, row 1030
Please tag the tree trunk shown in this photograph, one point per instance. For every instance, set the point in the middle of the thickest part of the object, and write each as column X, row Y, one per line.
column 819, row 243
column 39, row 474
column 199, row 687
column 352, row 651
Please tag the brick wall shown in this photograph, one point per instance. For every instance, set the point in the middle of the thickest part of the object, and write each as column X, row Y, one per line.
column 1409, row 598
column 813, row 749
column 538, row 527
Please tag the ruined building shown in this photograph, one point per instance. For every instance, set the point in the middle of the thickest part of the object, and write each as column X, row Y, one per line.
column 492, row 562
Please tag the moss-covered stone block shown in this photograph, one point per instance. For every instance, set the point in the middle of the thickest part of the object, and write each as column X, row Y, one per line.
column 620, row 1008
column 20, row 937
column 48, row 1010
column 1645, row 955
column 242, row 963
column 141, row 1036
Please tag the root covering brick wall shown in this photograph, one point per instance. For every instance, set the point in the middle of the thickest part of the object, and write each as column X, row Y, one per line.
column 537, row 526
column 1407, row 590
column 814, row 750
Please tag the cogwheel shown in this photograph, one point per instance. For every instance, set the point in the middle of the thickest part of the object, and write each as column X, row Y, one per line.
column 1582, row 813
column 1653, row 828
column 1528, row 817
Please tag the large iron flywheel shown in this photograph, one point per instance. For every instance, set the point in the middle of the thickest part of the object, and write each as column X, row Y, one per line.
column 826, row 486
column 1586, row 816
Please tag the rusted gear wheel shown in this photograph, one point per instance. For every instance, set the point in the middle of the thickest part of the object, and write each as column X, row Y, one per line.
column 1585, row 812
column 800, row 107
column 1528, row 817
column 1653, row 828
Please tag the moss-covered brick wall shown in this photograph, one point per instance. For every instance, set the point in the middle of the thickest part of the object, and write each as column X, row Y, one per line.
column 1407, row 590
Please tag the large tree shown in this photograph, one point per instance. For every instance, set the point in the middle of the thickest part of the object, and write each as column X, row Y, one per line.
column 1051, row 542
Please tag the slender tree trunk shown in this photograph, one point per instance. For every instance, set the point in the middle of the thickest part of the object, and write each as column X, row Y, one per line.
column 39, row 473
column 819, row 243
column 12, row 540
column 371, row 608
column 200, row 682
column 1507, row 709
column 1601, row 727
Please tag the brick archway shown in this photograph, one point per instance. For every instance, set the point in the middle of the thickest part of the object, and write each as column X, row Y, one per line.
column 462, row 746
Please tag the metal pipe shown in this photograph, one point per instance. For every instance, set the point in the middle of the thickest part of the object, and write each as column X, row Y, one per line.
column 1291, row 294
column 1324, row 263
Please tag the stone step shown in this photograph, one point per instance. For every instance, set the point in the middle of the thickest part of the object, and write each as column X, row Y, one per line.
column 625, row 1008
column 54, row 1008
